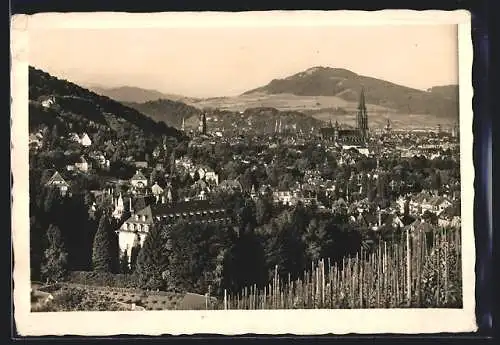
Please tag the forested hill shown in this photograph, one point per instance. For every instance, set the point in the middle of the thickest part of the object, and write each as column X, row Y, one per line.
column 169, row 111
column 446, row 91
column 82, row 110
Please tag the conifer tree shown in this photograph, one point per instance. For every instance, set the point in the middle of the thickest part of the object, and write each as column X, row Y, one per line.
column 124, row 263
column 134, row 253
column 152, row 260
column 56, row 257
column 102, row 259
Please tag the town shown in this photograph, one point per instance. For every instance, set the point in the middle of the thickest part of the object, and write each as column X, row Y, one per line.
column 220, row 212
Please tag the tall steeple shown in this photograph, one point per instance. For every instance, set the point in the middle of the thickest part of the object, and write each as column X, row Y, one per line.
column 362, row 119
column 183, row 127
column 388, row 126
column 202, row 127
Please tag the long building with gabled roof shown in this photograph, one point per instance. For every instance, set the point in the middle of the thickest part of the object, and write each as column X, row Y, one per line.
column 138, row 225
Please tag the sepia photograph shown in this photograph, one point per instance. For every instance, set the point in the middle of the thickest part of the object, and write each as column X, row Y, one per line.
column 280, row 163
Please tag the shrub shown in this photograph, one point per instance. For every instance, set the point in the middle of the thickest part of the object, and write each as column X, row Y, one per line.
column 103, row 279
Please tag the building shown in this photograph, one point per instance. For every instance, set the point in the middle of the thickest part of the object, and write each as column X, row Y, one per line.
column 119, row 208
column 139, row 224
column 48, row 102
column 139, row 180
column 156, row 190
column 35, row 141
column 83, row 165
column 388, row 127
column 353, row 137
column 141, row 164
column 85, row 140
column 58, row 182
column 202, row 127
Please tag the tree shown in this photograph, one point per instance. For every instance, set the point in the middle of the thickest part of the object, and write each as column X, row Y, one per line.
column 154, row 177
column 407, row 208
column 262, row 211
column 56, row 257
column 134, row 253
column 102, row 259
column 313, row 237
column 51, row 200
column 153, row 261
column 124, row 263
column 436, row 181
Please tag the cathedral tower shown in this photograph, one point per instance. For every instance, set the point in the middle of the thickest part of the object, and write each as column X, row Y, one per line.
column 202, row 127
column 362, row 119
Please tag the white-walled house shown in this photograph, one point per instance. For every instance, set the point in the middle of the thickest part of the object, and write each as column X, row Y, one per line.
column 137, row 226
column 47, row 103
column 211, row 176
column 59, row 182
column 139, row 180
column 83, row 164
column 85, row 140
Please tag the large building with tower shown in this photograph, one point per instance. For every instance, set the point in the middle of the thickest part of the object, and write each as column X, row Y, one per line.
column 135, row 229
column 357, row 136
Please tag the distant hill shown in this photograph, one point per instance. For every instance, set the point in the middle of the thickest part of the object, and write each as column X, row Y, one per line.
column 446, row 91
column 346, row 85
column 168, row 111
column 79, row 108
column 130, row 94
column 259, row 119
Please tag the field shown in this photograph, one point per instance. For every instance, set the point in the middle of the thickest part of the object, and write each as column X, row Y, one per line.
column 282, row 101
column 323, row 108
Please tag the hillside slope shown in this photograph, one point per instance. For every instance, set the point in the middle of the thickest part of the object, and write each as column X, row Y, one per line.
column 131, row 94
column 169, row 111
column 79, row 108
column 446, row 91
column 344, row 84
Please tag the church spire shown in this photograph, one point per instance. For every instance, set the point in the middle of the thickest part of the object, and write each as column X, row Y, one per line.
column 183, row 127
column 202, row 127
column 362, row 118
column 362, row 102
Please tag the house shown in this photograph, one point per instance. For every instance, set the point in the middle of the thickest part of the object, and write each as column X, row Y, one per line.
column 141, row 164
column 48, row 102
column 119, row 208
column 211, row 176
column 139, row 180
column 34, row 142
column 136, row 228
column 230, row 186
column 450, row 217
column 85, row 140
column 83, row 165
column 156, row 189
column 283, row 197
column 74, row 137
column 101, row 159
column 58, row 182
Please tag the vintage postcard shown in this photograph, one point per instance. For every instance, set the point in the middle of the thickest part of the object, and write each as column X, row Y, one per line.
column 283, row 172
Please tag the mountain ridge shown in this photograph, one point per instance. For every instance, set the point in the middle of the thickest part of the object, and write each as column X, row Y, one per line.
column 133, row 94
column 345, row 84
column 76, row 106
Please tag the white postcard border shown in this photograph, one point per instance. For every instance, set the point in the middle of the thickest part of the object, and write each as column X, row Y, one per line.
column 298, row 322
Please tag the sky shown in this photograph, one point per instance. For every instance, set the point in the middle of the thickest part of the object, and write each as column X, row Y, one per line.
column 217, row 61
